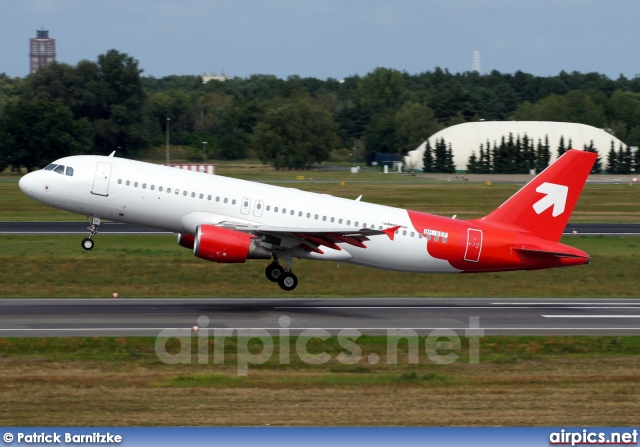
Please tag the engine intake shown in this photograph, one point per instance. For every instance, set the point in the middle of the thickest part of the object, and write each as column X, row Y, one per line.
column 227, row 246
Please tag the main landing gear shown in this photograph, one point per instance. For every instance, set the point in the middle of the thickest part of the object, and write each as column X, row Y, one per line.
column 282, row 275
column 87, row 243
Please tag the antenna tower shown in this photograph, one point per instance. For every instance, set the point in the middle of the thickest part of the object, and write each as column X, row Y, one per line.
column 476, row 62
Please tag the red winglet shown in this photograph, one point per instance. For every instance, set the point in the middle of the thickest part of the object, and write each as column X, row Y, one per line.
column 391, row 232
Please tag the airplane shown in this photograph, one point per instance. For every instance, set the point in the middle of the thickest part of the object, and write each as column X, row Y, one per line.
column 227, row 220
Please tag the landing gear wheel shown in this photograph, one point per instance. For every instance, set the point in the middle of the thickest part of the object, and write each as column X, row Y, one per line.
column 273, row 272
column 87, row 243
column 288, row 281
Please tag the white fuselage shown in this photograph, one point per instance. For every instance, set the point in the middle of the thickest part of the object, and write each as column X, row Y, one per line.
column 164, row 197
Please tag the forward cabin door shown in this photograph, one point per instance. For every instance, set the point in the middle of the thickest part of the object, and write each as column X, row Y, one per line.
column 101, row 180
column 474, row 245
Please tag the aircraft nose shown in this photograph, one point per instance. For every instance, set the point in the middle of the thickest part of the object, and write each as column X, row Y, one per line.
column 27, row 183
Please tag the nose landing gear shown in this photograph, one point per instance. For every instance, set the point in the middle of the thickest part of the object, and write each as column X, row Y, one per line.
column 87, row 243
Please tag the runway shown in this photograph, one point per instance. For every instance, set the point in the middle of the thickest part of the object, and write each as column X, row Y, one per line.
column 107, row 228
column 149, row 317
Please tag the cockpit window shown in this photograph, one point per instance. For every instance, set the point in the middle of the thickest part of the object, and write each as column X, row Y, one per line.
column 59, row 169
column 50, row 167
column 69, row 171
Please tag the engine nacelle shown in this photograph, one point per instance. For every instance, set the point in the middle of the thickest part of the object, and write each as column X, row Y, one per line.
column 229, row 246
column 186, row 240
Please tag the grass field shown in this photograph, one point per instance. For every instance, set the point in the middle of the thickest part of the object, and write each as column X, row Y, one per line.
column 520, row 381
column 155, row 266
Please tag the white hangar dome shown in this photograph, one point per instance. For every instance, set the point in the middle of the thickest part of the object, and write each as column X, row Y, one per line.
column 467, row 137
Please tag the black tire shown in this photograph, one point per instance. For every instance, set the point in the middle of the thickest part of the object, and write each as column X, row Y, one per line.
column 288, row 281
column 273, row 272
column 87, row 243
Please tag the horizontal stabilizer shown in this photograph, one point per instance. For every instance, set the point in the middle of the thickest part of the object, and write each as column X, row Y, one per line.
column 554, row 254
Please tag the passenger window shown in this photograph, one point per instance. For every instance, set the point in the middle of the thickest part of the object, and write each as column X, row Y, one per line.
column 259, row 206
column 168, row 190
column 135, row 184
column 315, row 217
column 412, row 234
column 144, row 186
column 119, row 181
column 50, row 167
column 348, row 222
column 160, row 188
column 184, row 193
column 436, row 239
column 226, row 200
column 193, row 194
column 153, row 187
column 332, row 219
column 69, row 171
column 292, row 212
column 364, row 225
column 59, row 169
column 128, row 182
column 299, row 213
column 308, row 215
column 339, row 221
column 202, row 196
column 218, row 199
column 324, row 218
column 356, row 224
column 268, row 207
column 444, row 240
column 284, row 211
column 275, row 210
column 209, row 197
column 177, row 191
column 233, row 202
column 404, row 232
column 419, row 235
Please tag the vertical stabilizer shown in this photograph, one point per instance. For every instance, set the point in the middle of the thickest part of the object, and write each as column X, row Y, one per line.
column 543, row 206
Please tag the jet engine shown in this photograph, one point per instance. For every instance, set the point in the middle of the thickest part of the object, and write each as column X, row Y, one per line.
column 228, row 246
column 186, row 240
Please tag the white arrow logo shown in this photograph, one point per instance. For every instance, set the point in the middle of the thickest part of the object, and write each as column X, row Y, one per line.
column 556, row 196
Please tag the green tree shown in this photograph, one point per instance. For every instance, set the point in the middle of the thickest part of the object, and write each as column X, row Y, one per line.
column 34, row 133
column 472, row 164
column 440, row 156
column 427, row 158
column 295, row 135
column 561, row 147
column 413, row 124
column 597, row 166
column 612, row 160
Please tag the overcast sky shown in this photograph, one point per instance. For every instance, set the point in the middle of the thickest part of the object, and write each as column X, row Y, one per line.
column 331, row 38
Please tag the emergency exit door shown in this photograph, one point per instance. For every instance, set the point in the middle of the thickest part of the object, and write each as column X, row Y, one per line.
column 474, row 245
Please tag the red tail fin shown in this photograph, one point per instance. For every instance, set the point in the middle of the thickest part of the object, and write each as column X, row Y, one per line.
column 543, row 206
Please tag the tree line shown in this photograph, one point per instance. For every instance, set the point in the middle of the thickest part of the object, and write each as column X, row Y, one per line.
column 107, row 104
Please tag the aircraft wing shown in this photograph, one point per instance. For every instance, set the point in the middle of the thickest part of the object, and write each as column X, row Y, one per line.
column 312, row 238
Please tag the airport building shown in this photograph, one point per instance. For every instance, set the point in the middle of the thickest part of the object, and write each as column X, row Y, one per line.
column 467, row 137
column 42, row 50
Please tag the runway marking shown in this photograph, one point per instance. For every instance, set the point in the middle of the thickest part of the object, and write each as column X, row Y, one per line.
column 426, row 307
column 211, row 329
column 591, row 316
column 571, row 303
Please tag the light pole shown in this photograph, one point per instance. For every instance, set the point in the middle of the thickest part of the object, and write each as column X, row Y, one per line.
column 204, row 152
column 168, row 156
